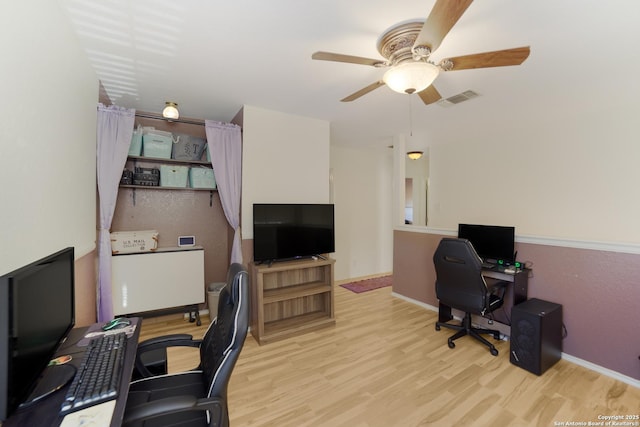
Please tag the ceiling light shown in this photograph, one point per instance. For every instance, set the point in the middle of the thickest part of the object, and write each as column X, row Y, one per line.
column 414, row 155
column 171, row 111
column 411, row 77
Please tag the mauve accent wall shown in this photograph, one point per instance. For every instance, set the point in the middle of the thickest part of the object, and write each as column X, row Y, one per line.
column 85, row 289
column 598, row 290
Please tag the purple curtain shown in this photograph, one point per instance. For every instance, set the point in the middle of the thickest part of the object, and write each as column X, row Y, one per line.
column 115, row 128
column 225, row 146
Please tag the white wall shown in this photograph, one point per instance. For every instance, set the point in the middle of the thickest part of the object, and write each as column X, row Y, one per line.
column 285, row 160
column 47, row 136
column 362, row 193
column 418, row 172
column 572, row 178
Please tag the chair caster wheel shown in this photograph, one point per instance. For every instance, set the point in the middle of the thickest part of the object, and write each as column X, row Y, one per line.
column 451, row 344
column 437, row 327
column 494, row 351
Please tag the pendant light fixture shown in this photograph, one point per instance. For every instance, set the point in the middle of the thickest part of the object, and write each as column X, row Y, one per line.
column 170, row 111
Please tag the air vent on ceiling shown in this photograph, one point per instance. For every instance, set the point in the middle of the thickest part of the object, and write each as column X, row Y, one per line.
column 457, row 99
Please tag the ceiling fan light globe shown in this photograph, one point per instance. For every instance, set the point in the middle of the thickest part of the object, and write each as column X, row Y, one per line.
column 410, row 77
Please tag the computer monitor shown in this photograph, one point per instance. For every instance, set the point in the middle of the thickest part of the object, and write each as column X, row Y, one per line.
column 494, row 244
column 36, row 315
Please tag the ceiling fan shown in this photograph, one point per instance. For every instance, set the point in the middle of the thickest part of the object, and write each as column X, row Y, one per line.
column 407, row 48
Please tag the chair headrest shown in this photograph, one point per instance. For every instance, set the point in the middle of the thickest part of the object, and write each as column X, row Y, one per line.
column 236, row 270
column 456, row 250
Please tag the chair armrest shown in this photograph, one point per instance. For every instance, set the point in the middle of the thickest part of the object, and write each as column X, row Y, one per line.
column 168, row 341
column 496, row 283
column 174, row 405
column 163, row 342
column 498, row 288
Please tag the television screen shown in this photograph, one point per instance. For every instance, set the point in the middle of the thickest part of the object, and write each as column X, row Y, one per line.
column 285, row 231
column 36, row 314
column 493, row 243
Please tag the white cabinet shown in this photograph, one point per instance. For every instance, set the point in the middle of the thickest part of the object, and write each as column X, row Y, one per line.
column 166, row 278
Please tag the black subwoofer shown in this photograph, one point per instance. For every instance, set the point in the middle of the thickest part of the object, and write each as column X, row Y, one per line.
column 536, row 335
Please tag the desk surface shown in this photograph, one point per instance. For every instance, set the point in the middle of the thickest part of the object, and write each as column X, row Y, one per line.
column 46, row 413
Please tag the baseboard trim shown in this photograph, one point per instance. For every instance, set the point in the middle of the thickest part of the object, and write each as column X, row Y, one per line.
column 414, row 301
column 569, row 358
column 602, row 370
column 357, row 279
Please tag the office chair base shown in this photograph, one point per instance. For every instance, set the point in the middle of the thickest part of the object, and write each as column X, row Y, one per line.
column 466, row 329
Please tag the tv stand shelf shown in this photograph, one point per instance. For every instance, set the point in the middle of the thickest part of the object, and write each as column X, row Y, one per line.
column 291, row 298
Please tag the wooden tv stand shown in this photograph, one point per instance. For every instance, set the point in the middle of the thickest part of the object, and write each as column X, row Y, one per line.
column 291, row 297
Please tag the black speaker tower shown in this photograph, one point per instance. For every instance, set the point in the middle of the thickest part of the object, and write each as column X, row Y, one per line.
column 536, row 335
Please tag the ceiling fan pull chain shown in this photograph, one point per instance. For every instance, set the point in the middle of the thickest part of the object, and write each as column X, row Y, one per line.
column 410, row 116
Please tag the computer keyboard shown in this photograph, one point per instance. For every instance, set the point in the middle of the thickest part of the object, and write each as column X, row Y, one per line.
column 98, row 377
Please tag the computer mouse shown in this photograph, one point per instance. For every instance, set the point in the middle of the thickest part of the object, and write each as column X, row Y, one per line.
column 117, row 323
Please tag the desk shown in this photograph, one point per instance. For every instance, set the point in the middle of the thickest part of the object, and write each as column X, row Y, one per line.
column 46, row 413
column 515, row 294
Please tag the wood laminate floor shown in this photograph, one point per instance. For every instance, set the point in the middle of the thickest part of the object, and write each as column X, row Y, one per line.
column 383, row 364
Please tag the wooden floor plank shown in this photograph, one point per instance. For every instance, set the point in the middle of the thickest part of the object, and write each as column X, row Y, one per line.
column 383, row 364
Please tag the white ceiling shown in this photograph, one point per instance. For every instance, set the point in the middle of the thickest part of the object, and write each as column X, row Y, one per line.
column 213, row 57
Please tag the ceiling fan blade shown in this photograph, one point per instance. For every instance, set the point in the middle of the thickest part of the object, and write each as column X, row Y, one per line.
column 337, row 57
column 430, row 95
column 363, row 91
column 498, row 58
column 443, row 16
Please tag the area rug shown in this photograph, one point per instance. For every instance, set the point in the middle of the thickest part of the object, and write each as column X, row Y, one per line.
column 368, row 284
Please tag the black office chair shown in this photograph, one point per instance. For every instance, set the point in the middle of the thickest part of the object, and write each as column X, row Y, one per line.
column 460, row 285
column 197, row 397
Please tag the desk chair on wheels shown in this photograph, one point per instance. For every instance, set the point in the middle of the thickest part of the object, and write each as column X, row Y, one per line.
column 460, row 285
column 197, row 397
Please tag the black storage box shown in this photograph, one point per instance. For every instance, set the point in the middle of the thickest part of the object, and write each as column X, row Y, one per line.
column 149, row 177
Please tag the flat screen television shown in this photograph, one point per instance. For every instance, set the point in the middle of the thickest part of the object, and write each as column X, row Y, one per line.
column 289, row 231
column 36, row 315
column 494, row 244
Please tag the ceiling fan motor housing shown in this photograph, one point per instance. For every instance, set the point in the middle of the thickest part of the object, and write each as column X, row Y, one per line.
column 396, row 43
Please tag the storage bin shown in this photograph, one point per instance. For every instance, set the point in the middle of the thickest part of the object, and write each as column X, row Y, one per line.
column 125, row 242
column 173, row 175
column 157, row 144
column 202, row 177
column 135, row 149
column 187, row 147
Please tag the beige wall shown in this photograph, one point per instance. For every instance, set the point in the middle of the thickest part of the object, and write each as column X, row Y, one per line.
column 285, row 159
column 362, row 182
column 47, row 134
column 85, row 287
column 573, row 178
